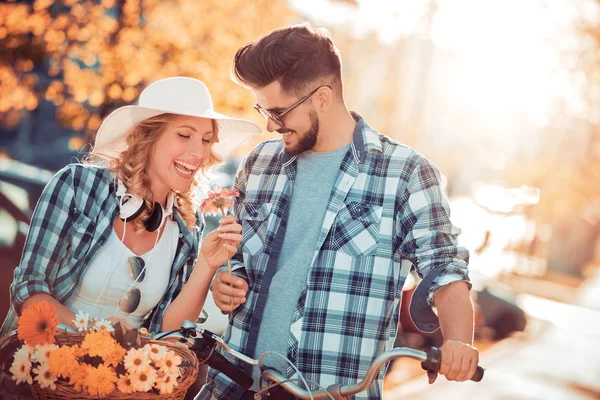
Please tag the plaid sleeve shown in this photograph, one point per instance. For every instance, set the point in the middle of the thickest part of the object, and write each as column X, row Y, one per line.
column 430, row 241
column 45, row 242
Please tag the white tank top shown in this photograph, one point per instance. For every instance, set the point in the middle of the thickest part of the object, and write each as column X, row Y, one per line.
column 113, row 286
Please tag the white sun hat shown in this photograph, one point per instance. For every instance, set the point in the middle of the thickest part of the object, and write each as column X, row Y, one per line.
column 177, row 95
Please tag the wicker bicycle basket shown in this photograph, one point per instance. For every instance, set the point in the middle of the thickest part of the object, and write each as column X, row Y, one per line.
column 188, row 371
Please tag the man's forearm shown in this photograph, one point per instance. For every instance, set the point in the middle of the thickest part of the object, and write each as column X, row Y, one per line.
column 455, row 312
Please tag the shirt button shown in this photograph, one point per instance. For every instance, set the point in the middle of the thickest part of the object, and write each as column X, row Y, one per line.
column 181, row 235
column 162, row 306
column 263, row 290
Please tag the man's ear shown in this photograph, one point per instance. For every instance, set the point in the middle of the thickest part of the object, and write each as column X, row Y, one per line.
column 323, row 99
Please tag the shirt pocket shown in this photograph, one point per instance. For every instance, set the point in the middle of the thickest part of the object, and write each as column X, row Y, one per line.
column 83, row 233
column 356, row 229
column 254, row 217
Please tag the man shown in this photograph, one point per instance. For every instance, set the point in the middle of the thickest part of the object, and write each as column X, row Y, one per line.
column 334, row 215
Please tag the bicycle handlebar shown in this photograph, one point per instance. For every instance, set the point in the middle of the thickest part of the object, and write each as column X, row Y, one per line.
column 204, row 343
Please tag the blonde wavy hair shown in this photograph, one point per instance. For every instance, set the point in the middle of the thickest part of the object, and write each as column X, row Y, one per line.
column 131, row 165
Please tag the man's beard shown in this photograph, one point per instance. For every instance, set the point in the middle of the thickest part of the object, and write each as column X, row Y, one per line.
column 307, row 140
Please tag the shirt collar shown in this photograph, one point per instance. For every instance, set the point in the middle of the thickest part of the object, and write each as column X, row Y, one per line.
column 365, row 139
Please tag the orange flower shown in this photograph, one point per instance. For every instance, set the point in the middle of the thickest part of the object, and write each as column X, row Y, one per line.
column 37, row 324
column 217, row 200
column 78, row 375
column 62, row 361
column 79, row 352
column 116, row 356
column 98, row 343
column 100, row 381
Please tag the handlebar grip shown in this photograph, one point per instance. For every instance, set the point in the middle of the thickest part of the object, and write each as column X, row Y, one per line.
column 478, row 376
column 434, row 360
column 220, row 363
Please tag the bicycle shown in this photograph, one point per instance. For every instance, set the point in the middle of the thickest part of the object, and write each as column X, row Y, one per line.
column 204, row 343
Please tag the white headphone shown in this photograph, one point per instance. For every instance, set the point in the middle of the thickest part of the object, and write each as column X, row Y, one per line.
column 130, row 207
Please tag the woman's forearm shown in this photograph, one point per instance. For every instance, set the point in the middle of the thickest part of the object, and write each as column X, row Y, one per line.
column 65, row 316
column 188, row 304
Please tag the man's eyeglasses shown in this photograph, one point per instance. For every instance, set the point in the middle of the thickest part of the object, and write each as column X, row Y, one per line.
column 277, row 117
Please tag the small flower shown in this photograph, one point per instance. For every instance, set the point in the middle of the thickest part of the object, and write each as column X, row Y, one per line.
column 41, row 353
column 79, row 352
column 155, row 351
column 143, row 379
column 100, row 381
column 165, row 383
column 217, row 200
column 62, row 361
column 24, row 353
column 37, row 324
column 20, row 370
column 125, row 385
column 103, row 326
column 99, row 344
column 81, row 321
column 169, row 364
column 44, row 377
column 116, row 357
column 78, row 375
column 136, row 359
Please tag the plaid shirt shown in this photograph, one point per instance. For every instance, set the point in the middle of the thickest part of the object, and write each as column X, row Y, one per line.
column 72, row 220
column 386, row 213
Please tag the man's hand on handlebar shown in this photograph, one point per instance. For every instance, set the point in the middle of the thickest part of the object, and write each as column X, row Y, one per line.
column 459, row 361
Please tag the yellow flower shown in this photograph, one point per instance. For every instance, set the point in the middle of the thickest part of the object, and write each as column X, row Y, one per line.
column 169, row 364
column 165, row 383
column 44, row 377
column 99, row 344
column 143, row 379
column 136, row 359
column 125, row 385
column 37, row 324
column 78, row 375
column 156, row 351
column 20, row 370
column 116, row 357
column 100, row 381
column 62, row 361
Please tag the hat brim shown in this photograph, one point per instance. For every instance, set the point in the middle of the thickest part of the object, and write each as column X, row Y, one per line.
column 110, row 138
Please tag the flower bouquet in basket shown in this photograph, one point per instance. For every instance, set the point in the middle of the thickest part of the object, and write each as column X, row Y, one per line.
column 101, row 361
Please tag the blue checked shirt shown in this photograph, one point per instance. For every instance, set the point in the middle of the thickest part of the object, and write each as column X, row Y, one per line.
column 72, row 220
column 386, row 213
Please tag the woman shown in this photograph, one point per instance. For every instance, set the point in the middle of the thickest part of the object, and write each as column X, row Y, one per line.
column 119, row 237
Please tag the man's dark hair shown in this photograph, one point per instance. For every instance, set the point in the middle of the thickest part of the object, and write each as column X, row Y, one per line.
column 296, row 56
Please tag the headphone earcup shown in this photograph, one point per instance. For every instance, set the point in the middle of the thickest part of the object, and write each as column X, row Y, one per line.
column 131, row 208
column 156, row 218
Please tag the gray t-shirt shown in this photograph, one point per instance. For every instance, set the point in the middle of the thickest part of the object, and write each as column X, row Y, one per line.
column 315, row 177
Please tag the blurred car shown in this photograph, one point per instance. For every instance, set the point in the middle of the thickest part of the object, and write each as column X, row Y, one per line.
column 20, row 187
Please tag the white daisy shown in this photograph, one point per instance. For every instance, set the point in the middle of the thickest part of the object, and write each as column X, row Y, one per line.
column 103, row 326
column 41, row 353
column 156, row 352
column 20, row 370
column 24, row 352
column 81, row 321
column 44, row 377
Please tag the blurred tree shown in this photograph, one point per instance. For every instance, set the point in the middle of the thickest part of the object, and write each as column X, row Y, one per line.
column 90, row 57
